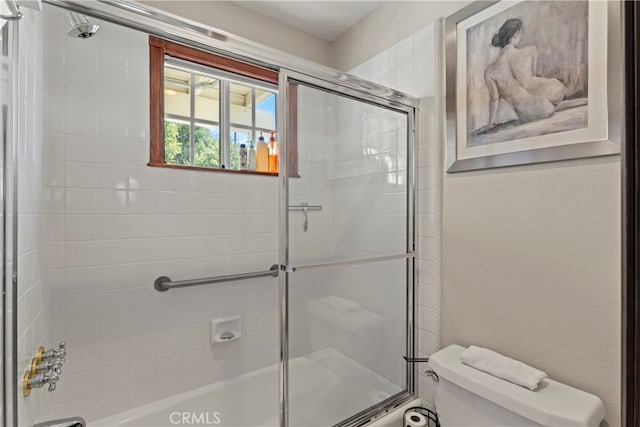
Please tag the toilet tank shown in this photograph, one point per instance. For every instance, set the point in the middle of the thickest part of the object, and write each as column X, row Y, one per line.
column 467, row 397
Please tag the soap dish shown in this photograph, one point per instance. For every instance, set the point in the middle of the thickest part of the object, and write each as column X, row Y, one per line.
column 226, row 329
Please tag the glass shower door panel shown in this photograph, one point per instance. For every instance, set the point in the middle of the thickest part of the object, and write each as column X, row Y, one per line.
column 347, row 336
column 352, row 164
column 348, row 289
column 6, row 209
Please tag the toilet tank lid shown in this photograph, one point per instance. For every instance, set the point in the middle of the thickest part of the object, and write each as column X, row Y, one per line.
column 551, row 404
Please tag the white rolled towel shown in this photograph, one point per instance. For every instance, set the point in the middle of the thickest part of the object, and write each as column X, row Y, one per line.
column 502, row 367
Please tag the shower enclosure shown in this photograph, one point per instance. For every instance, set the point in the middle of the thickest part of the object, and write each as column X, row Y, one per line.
column 159, row 280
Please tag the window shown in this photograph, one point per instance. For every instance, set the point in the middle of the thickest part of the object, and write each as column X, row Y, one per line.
column 204, row 107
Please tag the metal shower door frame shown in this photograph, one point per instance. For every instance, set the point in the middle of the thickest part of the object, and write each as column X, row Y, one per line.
column 286, row 77
column 9, row 224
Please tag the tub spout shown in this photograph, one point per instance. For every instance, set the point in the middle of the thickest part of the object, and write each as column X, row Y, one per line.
column 64, row 422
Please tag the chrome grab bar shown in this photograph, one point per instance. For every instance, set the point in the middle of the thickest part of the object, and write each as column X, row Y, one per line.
column 164, row 283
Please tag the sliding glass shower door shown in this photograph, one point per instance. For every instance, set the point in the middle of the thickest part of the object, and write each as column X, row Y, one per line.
column 161, row 281
column 349, row 245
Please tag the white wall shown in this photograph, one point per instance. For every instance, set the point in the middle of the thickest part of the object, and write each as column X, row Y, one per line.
column 235, row 19
column 531, row 268
column 386, row 26
column 530, row 254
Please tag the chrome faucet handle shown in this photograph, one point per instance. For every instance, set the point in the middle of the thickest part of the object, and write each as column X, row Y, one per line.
column 56, row 354
column 53, row 378
column 46, row 365
column 57, row 368
column 62, row 351
column 37, row 381
column 50, row 377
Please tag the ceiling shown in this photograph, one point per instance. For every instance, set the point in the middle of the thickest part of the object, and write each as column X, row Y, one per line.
column 327, row 20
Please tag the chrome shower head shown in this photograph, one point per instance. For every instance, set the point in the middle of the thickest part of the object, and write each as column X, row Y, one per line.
column 80, row 27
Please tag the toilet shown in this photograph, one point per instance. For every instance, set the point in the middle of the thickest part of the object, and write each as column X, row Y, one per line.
column 467, row 397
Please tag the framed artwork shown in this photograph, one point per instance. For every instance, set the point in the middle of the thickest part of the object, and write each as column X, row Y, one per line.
column 532, row 81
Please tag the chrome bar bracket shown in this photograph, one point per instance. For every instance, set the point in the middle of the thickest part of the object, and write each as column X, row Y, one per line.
column 288, row 269
column 15, row 17
column 161, row 282
column 15, row 11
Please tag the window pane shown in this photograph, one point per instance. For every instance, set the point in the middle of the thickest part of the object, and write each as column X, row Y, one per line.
column 265, row 109
column 176, row 92
column 207, row 98
column 237, row 136
column 207, row 139
column 176, row 142
column 241, row 104
column 194, row 112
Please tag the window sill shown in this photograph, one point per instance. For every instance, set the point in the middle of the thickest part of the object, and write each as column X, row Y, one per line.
column 197, row 168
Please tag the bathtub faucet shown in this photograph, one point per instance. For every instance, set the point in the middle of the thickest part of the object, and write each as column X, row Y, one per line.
column 46, row 368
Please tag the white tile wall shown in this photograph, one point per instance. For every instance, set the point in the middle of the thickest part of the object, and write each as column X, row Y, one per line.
column 409, row 66
column 116, row 225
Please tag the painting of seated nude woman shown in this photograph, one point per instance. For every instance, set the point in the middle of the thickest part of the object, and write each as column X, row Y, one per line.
column 527, row 72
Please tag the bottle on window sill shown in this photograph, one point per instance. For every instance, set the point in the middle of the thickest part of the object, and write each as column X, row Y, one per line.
column 262, row 155
column 251, row 158
column 243, row 156
column 273, row 154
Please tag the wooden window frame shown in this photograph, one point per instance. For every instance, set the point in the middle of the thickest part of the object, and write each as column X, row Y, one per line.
column 158, row 49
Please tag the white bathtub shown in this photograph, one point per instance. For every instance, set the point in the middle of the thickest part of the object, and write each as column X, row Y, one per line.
column 325, row 388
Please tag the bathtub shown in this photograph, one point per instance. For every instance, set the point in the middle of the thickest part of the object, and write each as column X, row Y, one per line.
column 320, row 384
